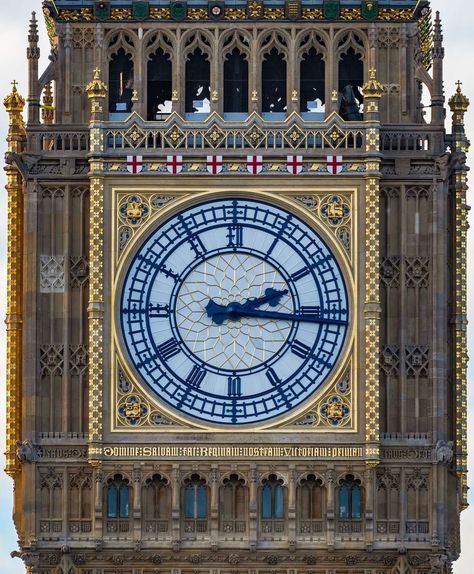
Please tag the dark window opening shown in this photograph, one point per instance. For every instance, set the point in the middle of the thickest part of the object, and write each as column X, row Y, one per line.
column 198, row 74
column 236, row 82
column 350, row 499
column 159, row 85
column 195, row 498
column 351, row 80
column 272, row 498
column 311, row 498
column 120, row 82
column 312, row 84
column 118, row 498
column 274, row 82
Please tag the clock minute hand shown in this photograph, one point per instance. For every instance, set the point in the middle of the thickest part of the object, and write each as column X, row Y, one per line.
column 235, row 309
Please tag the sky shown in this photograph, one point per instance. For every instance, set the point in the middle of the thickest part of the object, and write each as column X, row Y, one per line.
column 14, row 15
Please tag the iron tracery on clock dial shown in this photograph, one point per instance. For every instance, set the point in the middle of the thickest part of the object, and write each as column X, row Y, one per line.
column 233, row 311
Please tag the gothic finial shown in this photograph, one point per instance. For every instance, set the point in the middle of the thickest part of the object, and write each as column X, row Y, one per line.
column 14, row 102
column 459, row 102
column 47, row 108
column 33, row 37
column 437, row 49
column 96, row 88
column 373, row 88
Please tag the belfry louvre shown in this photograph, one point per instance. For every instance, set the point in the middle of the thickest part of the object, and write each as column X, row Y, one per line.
column 237, row 290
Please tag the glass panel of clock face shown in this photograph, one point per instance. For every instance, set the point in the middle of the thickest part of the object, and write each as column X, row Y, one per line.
column 234, row 312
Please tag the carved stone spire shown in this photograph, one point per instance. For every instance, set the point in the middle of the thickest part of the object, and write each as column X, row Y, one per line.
column 33, row 55
column 47, row 109
column 437, row 52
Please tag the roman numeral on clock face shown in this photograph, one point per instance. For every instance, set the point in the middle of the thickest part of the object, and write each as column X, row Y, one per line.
column 234, row 387
column 300, row 349
column 196, row 377
column 300, row 273
column 168, row 349
column 235, row 236
column 158, row 311
column 273, row 377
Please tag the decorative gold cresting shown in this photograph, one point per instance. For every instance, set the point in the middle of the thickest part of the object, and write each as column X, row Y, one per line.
column 14, row 104
column 459, row 105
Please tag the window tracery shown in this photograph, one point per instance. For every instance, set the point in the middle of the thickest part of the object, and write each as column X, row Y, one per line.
column 272, row 505
column 349, row 513
column 121, row 73
column 195, row 506
column 156, row 505
column 236, row 55
column 310, row 505
column 274, row 50
column 350, row 54
column 159, row 61
column 312, row 72
column 233, row 501
column 117, row 504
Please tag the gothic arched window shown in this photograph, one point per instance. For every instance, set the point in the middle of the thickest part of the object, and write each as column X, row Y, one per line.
column 233, row 505
column 156, row 504
column 273, row 82
column 350, row 498
column 195, row 506
column 272, row 498
column 120, row 82
column 310, row 496
column 118, row 497
column 312, row 81
column 236, row 82
column 159, row 85
column 351, row 80
column 197, row 82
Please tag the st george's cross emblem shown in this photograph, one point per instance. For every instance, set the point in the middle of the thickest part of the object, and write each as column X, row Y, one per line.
column 134, row 163
column 214, row 164
column 294, row 164
column 174, row 164
column 334, row 164
column 254, row 164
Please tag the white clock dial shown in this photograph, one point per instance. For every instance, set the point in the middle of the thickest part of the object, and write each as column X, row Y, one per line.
column 236, row 344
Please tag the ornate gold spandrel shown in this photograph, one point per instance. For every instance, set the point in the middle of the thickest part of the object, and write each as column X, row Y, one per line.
column 335, row 409
column 133, row 211
column 459, row 105
column 335, row 211
column 14, row 104
column 133, row 409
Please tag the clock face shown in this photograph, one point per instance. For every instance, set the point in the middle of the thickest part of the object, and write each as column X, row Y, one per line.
column 234, row 311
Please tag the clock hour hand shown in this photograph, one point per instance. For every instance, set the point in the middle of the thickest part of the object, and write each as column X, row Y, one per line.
column 272, row 297
column 219, row 313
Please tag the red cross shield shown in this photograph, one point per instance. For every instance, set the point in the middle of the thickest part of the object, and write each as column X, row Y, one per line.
column 174, row 163
column 294, row 164
column 254, row 164
column 134, row 163
column 214, row 164
column 334, row 164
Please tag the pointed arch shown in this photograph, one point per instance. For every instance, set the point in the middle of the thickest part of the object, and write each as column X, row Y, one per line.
column 121, row 71
column 311, row 59
column 233, row 502
column 350, row 52
column 311, row 504
column 195, row 505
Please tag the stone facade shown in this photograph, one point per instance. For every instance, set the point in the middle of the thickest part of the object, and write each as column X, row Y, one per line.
column 370, row 476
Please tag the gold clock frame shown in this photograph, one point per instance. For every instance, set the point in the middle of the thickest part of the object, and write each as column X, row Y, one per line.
column 142, row 406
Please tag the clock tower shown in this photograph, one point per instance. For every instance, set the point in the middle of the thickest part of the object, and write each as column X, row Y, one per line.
column 237, row 290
